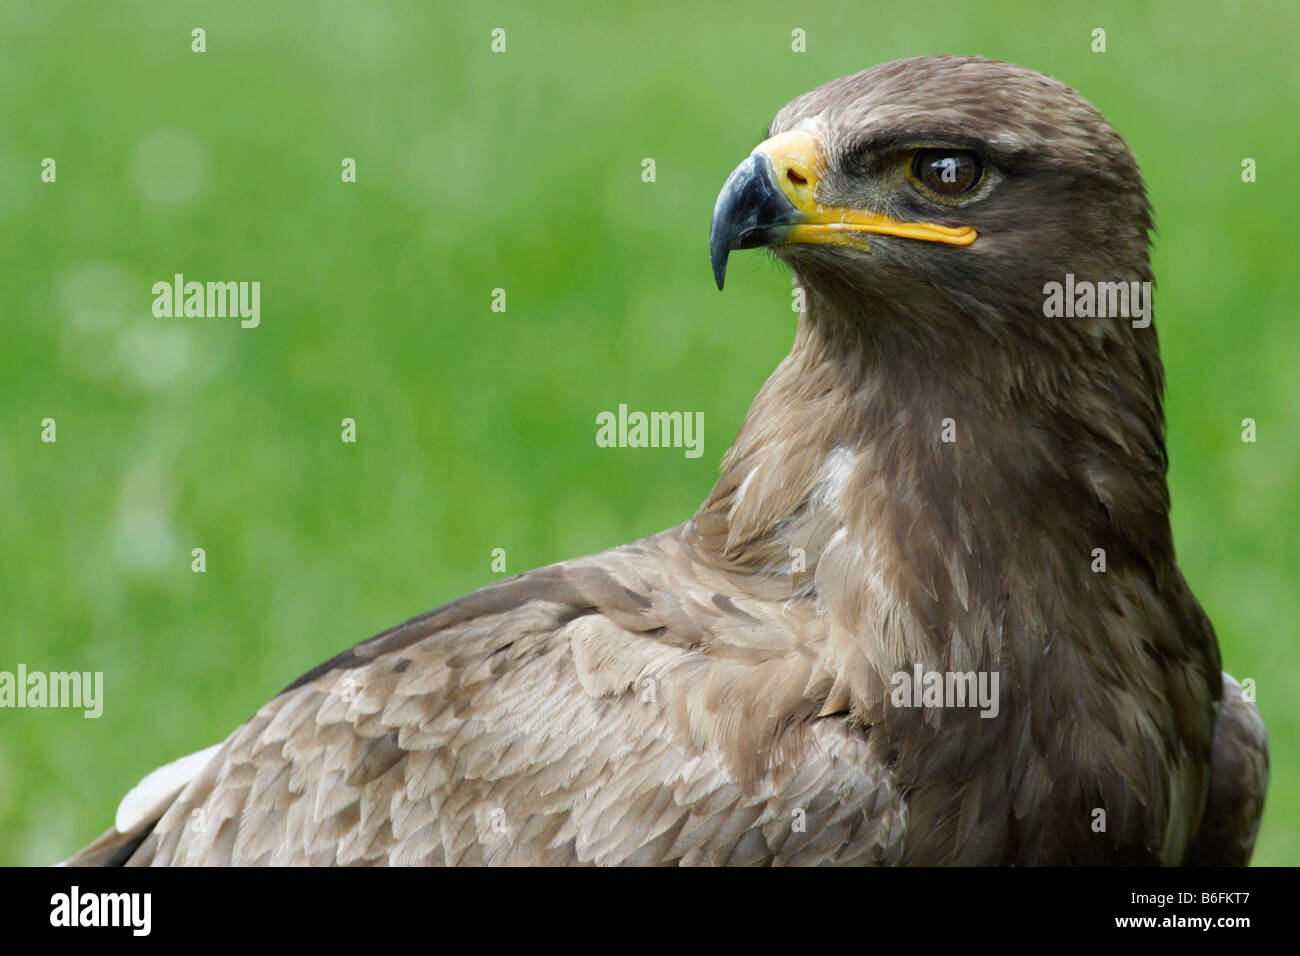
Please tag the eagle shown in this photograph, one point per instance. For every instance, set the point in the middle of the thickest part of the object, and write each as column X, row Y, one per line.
column 930, row 614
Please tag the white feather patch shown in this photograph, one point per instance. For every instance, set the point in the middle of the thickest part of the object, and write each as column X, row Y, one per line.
column 159, row 787
column 739, row 497
column 834, row 475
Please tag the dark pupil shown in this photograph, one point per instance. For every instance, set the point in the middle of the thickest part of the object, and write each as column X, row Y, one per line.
column 949, row 173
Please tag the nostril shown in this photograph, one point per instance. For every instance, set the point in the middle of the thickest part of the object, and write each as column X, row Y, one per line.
column 795, row 178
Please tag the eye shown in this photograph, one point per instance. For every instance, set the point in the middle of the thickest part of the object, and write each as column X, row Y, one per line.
column 948, row 172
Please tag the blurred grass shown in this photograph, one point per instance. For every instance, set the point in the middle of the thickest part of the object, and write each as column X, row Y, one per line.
column 520, row 171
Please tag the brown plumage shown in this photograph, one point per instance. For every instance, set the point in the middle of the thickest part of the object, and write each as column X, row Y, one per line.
column 720, row 693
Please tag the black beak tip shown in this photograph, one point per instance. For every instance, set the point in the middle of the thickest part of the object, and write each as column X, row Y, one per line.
column 751, row 211
column 718, row 255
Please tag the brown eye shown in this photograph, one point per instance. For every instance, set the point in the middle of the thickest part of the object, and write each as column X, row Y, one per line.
column 949, row 172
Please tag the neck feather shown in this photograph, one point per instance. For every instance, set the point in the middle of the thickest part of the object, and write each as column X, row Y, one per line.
column 921, row 489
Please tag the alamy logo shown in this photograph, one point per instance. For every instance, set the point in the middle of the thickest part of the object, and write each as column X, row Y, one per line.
column 130, row 910
column 1101, row 300
column 946, row 689
column 651, row 430
column 55, row 689
column 208, row 300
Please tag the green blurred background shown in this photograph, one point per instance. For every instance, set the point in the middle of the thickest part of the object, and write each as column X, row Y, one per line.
column 476, row 429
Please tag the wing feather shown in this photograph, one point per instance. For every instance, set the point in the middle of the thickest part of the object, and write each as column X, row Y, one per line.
column 615, row 710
